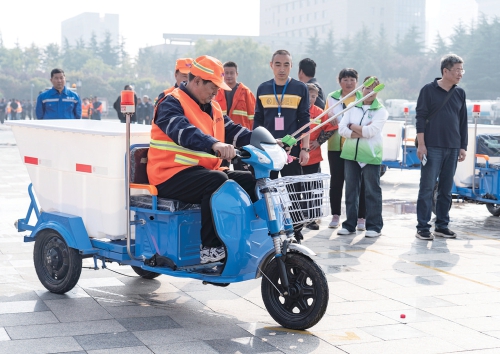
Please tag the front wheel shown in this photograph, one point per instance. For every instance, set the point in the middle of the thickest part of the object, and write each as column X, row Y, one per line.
column 58, row 266
column 146, row 274
column 308, row 292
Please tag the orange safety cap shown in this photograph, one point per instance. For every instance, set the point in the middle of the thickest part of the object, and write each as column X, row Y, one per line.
column 210, row 68
column 183, row 65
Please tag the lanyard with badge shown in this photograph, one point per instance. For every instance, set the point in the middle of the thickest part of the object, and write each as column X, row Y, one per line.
column 279, row 121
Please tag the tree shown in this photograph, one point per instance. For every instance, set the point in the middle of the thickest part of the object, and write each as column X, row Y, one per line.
column 411, row 44
column 440, row 48
column 51, row 57
column 252, row 59
column 109, row 52
column 326, row 61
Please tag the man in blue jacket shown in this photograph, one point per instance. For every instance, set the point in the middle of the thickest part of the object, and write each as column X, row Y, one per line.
column 58, row 102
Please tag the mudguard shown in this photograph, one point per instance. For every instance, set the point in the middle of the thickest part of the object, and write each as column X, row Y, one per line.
column 243, row 233
column 301, row 249
column 70, row 227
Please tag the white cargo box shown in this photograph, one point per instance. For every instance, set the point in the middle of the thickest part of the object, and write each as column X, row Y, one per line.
column 465, row 169
column 78, row 167
column 392, row 135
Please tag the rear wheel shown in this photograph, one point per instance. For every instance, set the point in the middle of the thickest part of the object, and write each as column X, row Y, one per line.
column 383, row 169
column 434, row 199
column 58, row 266
column 308, row 296
column 493, row 208
column 145, row 273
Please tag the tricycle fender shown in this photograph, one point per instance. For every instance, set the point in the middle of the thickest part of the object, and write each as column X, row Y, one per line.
column 70, row 227
column 301, row 249
column 292, row 247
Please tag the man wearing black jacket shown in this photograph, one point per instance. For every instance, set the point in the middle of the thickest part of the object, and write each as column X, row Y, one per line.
column 442, row 141
column 118, row 103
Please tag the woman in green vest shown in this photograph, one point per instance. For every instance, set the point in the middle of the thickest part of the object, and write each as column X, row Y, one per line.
column 348, row 81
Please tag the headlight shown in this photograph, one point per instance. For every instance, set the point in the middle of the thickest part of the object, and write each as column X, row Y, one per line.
column 277, row 154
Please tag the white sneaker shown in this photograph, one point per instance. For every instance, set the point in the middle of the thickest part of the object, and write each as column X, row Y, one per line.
column 335, row 222
column 345, row 232
column 211, row 254
column 371, row 233
column 361, row 224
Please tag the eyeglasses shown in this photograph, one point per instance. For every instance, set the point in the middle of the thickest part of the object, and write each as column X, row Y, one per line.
column 457, row 71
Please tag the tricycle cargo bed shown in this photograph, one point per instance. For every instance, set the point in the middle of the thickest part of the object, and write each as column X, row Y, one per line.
column 78, row 167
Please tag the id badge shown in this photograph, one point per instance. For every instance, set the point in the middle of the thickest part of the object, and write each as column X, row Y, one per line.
column 279, row 123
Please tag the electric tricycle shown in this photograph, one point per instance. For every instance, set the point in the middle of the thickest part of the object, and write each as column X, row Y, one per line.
column 163, row 235
column 477, row 179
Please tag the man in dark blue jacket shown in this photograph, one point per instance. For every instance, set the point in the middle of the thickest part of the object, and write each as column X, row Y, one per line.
column 442, row 141
column 282, row 107
column 58, row 102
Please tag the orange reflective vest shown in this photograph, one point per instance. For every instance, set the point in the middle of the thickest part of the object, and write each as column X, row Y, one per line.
column 19, row 107
column 314, row 111
column 166, row 158
column 85, row 110
column 243, row 108
column 167, row 91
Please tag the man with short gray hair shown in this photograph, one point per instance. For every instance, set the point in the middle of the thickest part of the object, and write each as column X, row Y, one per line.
column 442, row 141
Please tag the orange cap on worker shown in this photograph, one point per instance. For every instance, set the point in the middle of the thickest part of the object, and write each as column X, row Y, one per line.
column 210, row 68
column 183, row 65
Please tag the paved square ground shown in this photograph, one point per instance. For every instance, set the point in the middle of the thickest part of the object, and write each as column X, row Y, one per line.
column 447, row 290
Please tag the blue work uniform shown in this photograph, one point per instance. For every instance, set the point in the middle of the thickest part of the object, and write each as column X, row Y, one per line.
column 54, row 105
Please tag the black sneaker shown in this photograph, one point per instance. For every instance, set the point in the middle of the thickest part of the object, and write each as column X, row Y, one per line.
column 447, row 233
column 298, row 236
column 424, row 235
column 312, row 226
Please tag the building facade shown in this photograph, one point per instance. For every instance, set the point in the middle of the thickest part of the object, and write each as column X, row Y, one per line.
column 488, row 8
column 305, row 18
column 83, row 26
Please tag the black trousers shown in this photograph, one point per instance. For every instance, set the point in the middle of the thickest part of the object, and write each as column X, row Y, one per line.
column 337, row 185
column 196, row 185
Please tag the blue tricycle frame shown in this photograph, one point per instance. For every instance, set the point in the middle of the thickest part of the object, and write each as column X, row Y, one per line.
column 409, row 161
column 258, row 239
column 485, row 186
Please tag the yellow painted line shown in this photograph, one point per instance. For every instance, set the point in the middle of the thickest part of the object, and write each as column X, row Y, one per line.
column 425, row 266
column 439, row 270
column 281, row 329
column 458, row 276
column 476, row 235
column 348, row 336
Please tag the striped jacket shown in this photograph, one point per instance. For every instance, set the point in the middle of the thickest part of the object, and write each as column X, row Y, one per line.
column 243, row 108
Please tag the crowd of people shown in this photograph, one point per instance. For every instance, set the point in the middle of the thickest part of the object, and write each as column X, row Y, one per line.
column 198, row 123
column 15, row 109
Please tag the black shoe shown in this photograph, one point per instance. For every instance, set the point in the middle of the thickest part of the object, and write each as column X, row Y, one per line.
column 424, row 235
column 298, row 236
column 312, row 226
column 446, row 233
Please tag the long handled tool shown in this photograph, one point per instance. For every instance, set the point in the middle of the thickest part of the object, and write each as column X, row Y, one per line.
column 367, row 83
column 290, row 140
